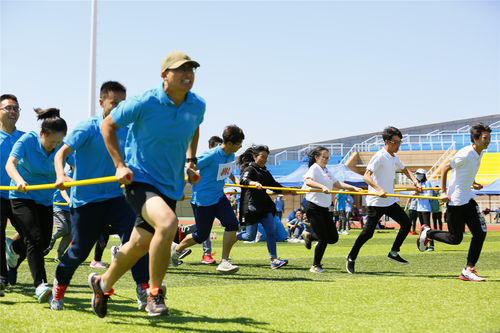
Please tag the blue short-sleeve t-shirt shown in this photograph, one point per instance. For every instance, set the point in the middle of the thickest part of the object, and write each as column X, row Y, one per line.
column 35, row 167
column 92, row 160
column 6, row 143
column 159, row 137
column 58, row 198
column 214, row 167
column 341, row 198
column 424, row 205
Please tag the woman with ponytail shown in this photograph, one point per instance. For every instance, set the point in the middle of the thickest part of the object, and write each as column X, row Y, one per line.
column 31, row 162
column 318, row 177
column 255, row 204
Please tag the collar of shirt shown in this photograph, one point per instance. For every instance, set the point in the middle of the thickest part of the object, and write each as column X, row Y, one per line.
column 164, row 99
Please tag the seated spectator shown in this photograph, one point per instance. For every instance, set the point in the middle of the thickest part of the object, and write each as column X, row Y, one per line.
column 296, row 227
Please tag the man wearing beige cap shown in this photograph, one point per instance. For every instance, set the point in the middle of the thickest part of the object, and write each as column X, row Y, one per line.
column 165, row 130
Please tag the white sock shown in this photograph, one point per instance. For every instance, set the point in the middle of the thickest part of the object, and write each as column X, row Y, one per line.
column 103, row 287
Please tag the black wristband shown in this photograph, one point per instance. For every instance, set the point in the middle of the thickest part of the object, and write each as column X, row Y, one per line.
column 193, row 159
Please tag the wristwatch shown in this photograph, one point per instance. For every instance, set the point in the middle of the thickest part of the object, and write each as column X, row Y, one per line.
column 192, row 159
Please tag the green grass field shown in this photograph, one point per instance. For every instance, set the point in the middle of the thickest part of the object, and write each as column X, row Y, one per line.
column 383, row 296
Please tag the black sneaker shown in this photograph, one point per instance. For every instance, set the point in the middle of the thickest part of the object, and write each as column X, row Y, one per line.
column 99, row 297
column 397, row 258
column 156, row 304
column 349, row 265
column 307, row 241
column 184, row 253
column 51, row 245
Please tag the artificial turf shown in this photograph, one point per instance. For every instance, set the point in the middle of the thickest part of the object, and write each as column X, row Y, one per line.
column 383, row 296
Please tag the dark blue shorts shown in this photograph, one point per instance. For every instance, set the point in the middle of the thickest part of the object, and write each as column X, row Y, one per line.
column 137, row 194
column 205, row 216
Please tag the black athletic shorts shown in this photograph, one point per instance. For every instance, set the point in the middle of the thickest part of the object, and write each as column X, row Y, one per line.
column 137, row 194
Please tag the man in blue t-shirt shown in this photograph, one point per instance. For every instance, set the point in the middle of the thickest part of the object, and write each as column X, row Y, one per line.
column 208, row 199
column 16, row 249
column 94, row 208
column 161, row 142
column 340, row 207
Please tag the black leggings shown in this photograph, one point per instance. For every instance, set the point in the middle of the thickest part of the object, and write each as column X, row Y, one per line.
column 102, row 242
column 413, row 218
column 324, row 228
column 36, row 224
column 374, row 214
column 18, row 245
column 437, row 220
column 458, row 217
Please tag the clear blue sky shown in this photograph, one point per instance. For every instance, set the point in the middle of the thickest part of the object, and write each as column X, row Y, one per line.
column 287, row 72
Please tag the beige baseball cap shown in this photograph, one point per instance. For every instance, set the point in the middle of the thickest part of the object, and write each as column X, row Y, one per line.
column 176, row 59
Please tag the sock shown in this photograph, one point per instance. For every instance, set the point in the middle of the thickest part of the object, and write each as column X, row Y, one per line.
column 103, row 287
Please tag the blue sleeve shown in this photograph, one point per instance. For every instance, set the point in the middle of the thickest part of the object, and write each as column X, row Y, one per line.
column 19, row 149
column 127, row 112
column 79, row 137
column 204, row 159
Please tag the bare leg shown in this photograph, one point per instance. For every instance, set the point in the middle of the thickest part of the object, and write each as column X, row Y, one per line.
column 186, row 242
column 227, row 243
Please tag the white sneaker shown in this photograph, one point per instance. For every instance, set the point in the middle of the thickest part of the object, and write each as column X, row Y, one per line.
column 470, row 275
column 227, row 268
column 114, row 250
column 174, row 256
column 316, row 269
column 422, row 240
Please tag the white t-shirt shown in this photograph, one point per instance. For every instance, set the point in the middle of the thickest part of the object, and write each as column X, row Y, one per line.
column 324, row 177
column 383, row 167
column 465, row 165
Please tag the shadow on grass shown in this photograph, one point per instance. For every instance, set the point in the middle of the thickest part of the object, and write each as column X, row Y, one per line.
column 179, row 318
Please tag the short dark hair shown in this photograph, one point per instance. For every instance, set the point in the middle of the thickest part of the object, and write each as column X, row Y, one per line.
column 477, row 129
column 315, row 153
column 214, row 141
column 299, row 210
column 233, row 133
column 9, row 96
column 111, row 86
column 389, row 132
column 52, row 123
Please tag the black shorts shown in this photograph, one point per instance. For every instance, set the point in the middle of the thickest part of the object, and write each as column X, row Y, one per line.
column 137, row 194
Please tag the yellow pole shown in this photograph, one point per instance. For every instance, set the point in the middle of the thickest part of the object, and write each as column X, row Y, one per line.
column 344, row 192
column 93, row 181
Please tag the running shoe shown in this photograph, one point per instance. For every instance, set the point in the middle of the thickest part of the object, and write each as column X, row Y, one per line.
column 97, row 264
column 142, row 292
column 227, row 268
column 57, row 296
column 114, row 250
column 43, row 292
column 184, row 253
column 174, row 256
column 397, row 258
column 430, row 249
column 278, row 263
column 12, row 257
column 99, row 297
column 349, row 265
column 423, row 240
column 181, row 235
column 207, row 259
column 156, row 303
column 470, row 275
column 316, row 269
column 307, row 241
column 49, row 248
column 3, row 283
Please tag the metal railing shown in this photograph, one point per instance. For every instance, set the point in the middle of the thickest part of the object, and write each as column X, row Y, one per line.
column 446, row 156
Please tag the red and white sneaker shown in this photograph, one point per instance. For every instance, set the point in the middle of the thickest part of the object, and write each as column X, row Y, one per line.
column 97, row 264
column 423, row 240
column 207, row 259
column 470, row 275
column 181, row 235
